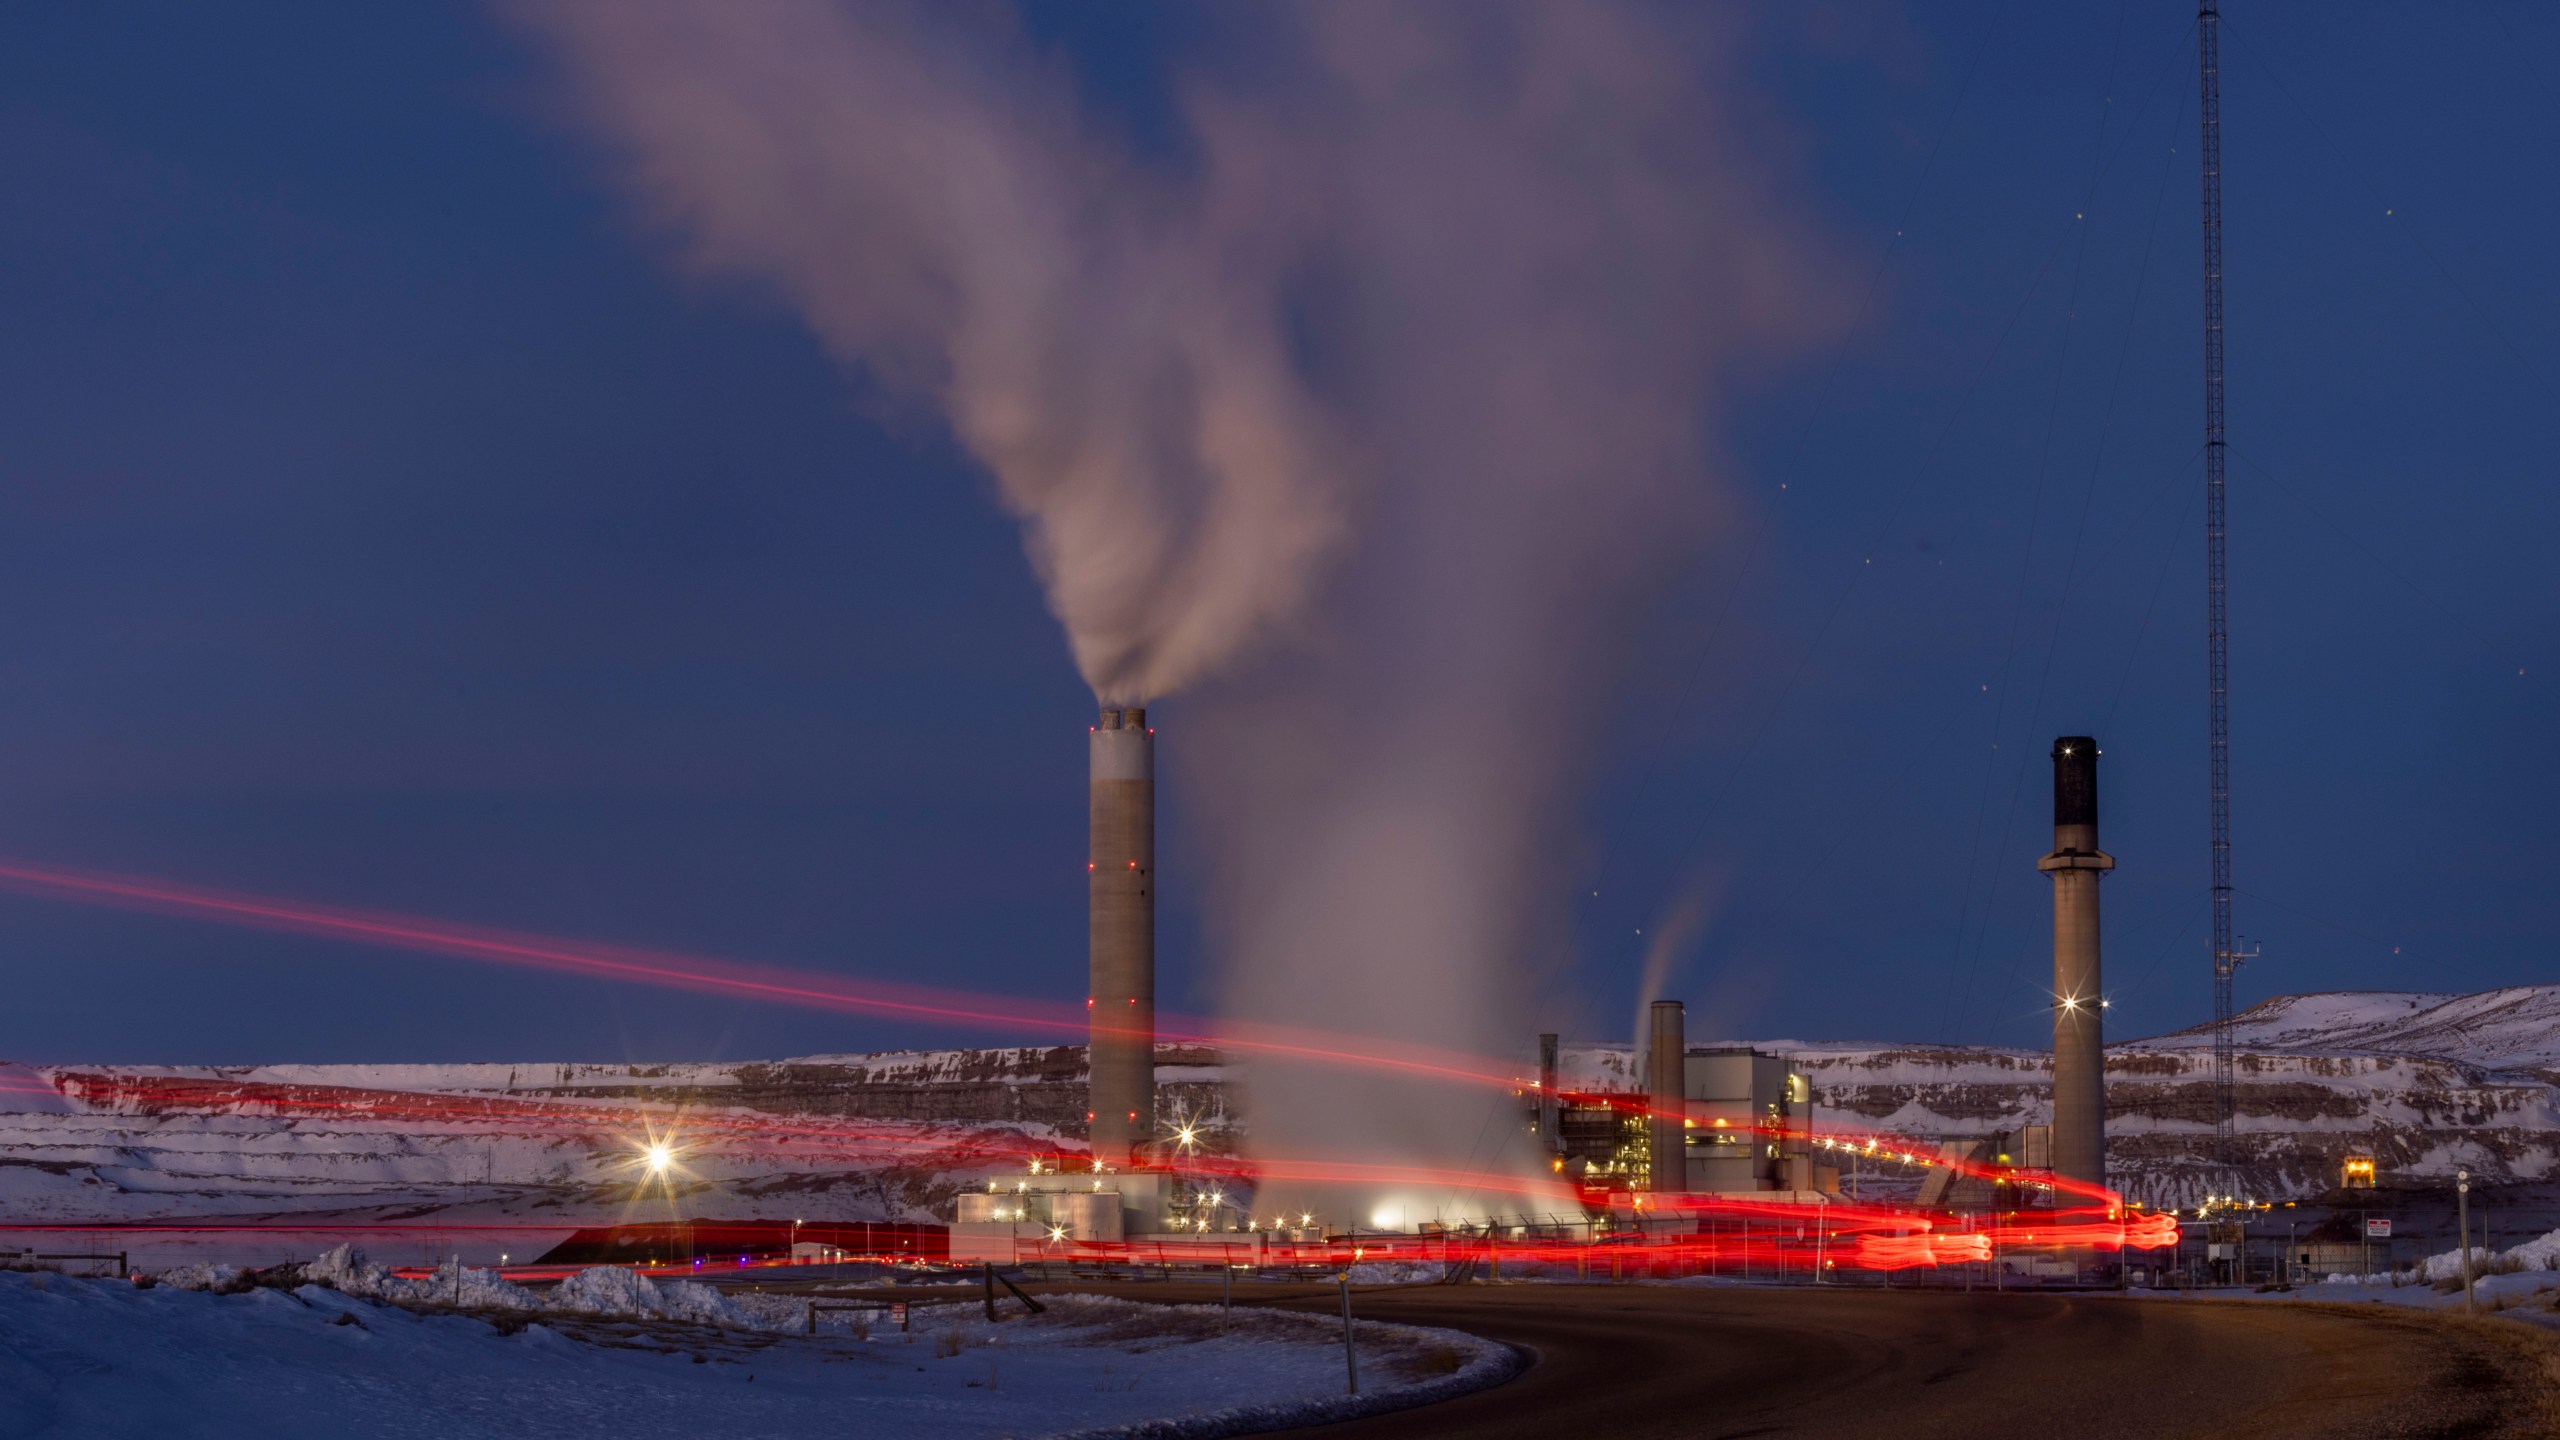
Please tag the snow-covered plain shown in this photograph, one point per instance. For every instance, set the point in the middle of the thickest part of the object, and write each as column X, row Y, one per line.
column 105, row 1360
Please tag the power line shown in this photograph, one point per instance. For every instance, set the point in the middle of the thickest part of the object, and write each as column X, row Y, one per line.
column 2071, row 575
column 2017, row 621
column 2142, row 631
column 2460, row 623
column 2194, row 907
column 2515, row 50
column 1805, row 875
column 2391, row 212
column 1893, row 516
column 2344, row 928
column 1804, row 438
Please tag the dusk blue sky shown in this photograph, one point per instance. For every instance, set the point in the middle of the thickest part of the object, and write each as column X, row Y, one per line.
column 385, row 522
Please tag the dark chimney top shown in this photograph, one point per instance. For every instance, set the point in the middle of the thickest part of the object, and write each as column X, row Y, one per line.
column 2075, row 781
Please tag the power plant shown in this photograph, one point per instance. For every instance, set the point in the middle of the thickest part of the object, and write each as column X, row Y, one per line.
column 1121, row 870
column 1700, row 1156
column 1705, row 1121
column 2079, row 1001
column 1647, row 1141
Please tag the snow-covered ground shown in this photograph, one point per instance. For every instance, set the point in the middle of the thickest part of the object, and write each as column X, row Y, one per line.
column 103, row 1359
column 548, row 1145
column 2528, row 1295
column 2521, row 1282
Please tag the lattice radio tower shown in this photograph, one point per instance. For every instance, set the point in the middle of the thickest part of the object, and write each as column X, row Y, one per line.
column 2226, row 955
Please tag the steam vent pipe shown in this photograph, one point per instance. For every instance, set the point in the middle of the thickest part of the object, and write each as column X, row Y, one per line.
column 1665, row 1064
column 2079, row 1003
column 1547, row 1108
column 1122, row 936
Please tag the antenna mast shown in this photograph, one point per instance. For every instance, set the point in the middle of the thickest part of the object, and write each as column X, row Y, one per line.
column 2226, row 957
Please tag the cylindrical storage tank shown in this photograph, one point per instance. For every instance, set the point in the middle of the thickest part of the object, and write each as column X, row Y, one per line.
column 2079, row 997
column 1121, row 866
column 1666, row 1096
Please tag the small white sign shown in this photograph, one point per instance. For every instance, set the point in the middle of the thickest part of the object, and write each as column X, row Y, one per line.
column 2377, row 1229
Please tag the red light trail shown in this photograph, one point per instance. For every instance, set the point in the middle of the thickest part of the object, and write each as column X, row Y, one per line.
column 706, row 1131
column 714, row 976
column 705, row 974
column 1887, row 1239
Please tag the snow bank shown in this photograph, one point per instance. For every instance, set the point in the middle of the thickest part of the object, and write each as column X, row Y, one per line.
column 2540, row 1253
column 604, row 1290
column 106, row 1360
column 201, row 1277
column 347, row 1271
column 1397, row 1272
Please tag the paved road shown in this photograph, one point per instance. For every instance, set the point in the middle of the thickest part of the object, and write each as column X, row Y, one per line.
column 1639, row 1362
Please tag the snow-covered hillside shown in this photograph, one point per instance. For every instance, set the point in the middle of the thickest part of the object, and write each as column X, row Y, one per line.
column 2514, row 1029
column 507, row 1158
column 2423, row 1081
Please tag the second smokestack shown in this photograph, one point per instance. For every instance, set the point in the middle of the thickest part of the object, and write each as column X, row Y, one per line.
column 1121, row 1058
column 2079, row 999
column 1666, row 1077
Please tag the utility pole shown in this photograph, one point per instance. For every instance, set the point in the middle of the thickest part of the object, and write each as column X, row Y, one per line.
column 2462, row 1245
column 1350, row 1349
column 2226, row 957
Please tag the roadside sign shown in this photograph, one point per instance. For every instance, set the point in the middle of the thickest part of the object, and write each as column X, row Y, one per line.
column 2377, row 1229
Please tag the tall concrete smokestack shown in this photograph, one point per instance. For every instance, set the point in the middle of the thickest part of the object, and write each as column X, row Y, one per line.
column 1665, row 1081
column 1122, row 935
column 2079, row 1033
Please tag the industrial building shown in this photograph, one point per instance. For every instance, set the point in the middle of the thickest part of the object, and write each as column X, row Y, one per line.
column 1689, row 1120
column 1716, row 1119
column 1057, row 1204
column 2007, row 1170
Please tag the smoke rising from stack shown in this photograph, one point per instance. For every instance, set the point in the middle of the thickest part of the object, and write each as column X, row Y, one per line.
column 923, row 188
column 1668, row 941
column 1375, row 421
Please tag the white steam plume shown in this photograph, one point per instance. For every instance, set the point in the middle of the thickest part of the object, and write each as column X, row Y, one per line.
column 1413, row 358
column 1667, row 942
column 924, row 189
